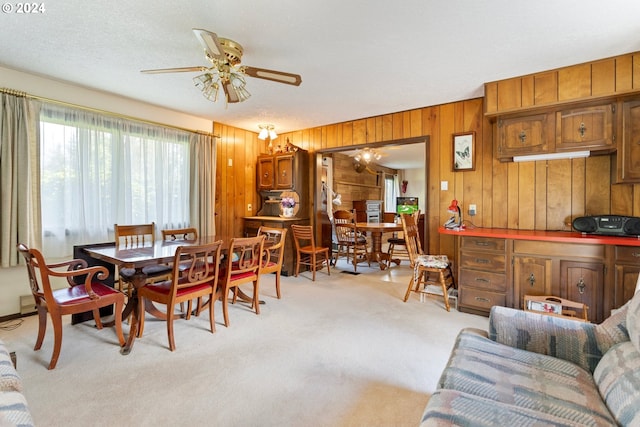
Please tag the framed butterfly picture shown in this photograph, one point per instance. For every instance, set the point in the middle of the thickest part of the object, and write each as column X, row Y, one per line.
column 464, row 151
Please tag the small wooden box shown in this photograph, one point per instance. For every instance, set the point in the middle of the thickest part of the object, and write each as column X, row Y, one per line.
column 555, row 306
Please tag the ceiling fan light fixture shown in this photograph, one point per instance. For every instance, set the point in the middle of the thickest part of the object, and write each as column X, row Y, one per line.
column 267, row 131
column 367, row 155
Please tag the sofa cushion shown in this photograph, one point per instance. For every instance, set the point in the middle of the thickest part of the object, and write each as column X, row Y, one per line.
column 454, row 408
column 523, row 381
column 633, row 320
column 618, row 379
column 578, row 342
column 9, row 378
column 14, row 410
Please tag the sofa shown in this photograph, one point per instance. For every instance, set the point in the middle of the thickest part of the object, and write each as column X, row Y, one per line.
column 532, row 369
column 13, row 405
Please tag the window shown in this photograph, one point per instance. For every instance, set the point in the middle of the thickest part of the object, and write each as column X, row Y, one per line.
column 98, row 170
column 390, row 192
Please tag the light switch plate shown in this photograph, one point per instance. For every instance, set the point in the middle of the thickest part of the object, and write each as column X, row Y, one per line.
column 444, row 185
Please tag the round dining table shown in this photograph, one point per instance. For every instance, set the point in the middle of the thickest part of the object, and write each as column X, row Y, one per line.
column 377, row 229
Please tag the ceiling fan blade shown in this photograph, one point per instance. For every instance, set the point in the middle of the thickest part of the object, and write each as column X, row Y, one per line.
column 210, row 43
column 230, row 92
column 174, row 70
column 276, row 76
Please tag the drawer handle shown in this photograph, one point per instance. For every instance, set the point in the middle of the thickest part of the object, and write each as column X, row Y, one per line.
column 480, row 299
column 582, row 129
column 482, row 243
column 581, row 285
column 482, row 261
column 482, row 279
column 532, row 280
column 635, row 254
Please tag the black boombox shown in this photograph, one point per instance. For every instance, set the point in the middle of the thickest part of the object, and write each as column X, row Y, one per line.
column 612, row 225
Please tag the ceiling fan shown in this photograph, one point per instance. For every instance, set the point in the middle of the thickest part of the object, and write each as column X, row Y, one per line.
column 225, row 70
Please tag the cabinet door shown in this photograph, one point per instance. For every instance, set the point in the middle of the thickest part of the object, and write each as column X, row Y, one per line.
column 626, row 279
column 584, row 282
column 284, row 172
column 265, row 173
column 524, row 135
column 588, row 128
column 531, row 276
column 629, row 153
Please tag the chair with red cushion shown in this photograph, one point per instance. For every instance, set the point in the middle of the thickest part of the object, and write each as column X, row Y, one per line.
column 194, row 275
column 273, row 252
column 85, row 293
column 243, row 265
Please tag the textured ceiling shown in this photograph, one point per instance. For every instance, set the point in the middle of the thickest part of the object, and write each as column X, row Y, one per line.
column 357, row 58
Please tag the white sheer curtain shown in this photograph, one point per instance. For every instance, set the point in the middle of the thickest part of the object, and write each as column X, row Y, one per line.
column 19, row 176
column 99, row 170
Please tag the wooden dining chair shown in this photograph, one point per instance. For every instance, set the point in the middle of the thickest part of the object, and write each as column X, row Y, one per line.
column 429, row 270
column 398, row 245
column 85, row 292
column 349, row 241
column 133, row 236
column 196, row 280
column 307, row 253
column 274, row 240
column 243, row 265
column 172, row 234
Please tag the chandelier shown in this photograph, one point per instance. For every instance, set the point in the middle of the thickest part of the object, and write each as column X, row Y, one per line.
column 367, row 155
column 267, row 131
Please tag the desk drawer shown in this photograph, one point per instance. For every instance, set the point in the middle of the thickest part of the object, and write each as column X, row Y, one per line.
column 482, row 261
column 483, row 243
column 482, row 279
column 481, row 299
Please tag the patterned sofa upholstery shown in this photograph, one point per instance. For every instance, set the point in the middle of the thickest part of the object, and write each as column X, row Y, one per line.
column 532, row 369
column 13, row 405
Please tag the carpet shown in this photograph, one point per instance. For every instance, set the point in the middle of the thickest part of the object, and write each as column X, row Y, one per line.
column 344, row 350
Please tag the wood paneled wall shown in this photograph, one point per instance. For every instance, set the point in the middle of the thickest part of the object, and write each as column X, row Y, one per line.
column 539, row 195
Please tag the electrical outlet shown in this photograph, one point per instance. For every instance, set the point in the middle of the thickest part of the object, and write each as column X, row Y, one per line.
column 249, row 207
column 472, row 210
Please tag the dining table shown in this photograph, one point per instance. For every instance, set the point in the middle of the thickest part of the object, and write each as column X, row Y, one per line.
column 377, row 229
column 138, row 257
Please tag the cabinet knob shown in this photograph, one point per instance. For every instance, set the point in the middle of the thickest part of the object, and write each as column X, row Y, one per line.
column 523, row 137
column 532, row 280
column 582, row 129
column 581, row 285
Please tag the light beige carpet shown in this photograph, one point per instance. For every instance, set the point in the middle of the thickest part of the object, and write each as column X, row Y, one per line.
column 344, row 350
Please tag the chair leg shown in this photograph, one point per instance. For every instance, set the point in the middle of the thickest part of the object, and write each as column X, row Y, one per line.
column 297, row 264
column 406, row 295
column 96, row 317
column 57, row 340
column 314, row 266
column 225, row 307
column 256, row 302
column 172, row 343
column 326, row 256
column 212, row 320
column 445, row 294
column 42, row 326
column 278, row 284
column 141, row 319
column 118, row 322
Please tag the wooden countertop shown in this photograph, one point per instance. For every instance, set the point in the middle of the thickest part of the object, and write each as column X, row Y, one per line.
column 547, row 236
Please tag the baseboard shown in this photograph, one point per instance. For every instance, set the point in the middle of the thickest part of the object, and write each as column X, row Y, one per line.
column 15, row 316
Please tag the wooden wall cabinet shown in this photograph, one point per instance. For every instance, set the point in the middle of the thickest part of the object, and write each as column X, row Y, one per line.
column 276, row 172
column 483, row 274
column 523, row 135
column 586, row 128
column 628, row 157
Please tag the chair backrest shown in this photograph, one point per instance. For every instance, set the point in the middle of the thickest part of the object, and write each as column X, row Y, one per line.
column 343, row 216
column 135, row 235
column 170, row 234
column 411, row 237
column 274, row 239
column 196, row 265
column 303, row 236
column 244, row 257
